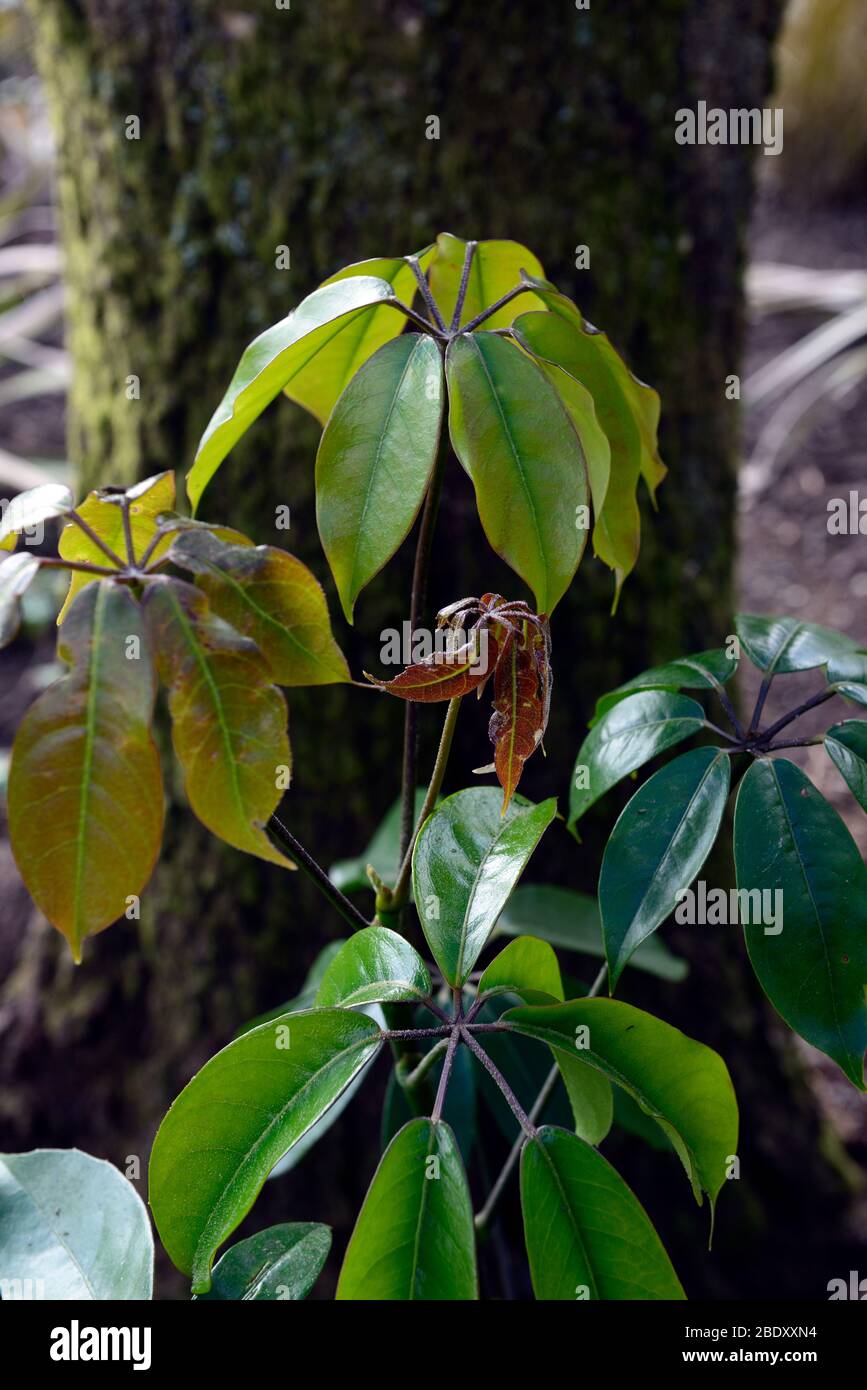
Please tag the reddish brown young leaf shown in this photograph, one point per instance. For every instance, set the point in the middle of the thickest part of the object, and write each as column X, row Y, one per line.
column 521, row 692
column 446, row 675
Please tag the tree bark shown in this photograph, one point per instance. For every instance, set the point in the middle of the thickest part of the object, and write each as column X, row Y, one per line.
column 306, row 128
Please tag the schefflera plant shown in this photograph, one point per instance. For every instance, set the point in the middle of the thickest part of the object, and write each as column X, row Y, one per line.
column 153, row 597
column 801, row 897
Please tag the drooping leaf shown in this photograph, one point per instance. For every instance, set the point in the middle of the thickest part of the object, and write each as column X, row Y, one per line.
column 590, row 1096
column 812, row 960
column 270, row 597
column 571, row 920
column 526, row 967
column 521, row 686
column 375, row 460
column 497, row 268
column 282, row 1262
column 276, row 359
column 628, row 736
column 148, row 500
column 36, row 505
column 703, row 671
column 414, row 1237
column 228, row 720
column 592, row 438
column 382, row 853
column 511, row 432
column 72, row 1228
column 448, row 674
column 467, row 859
column 318, row 386
column 587, row 1235
column 683, row 1084
column 229, row 1126
column 778, row 645
column 85, row 788
column 17, row 573
column 374, row 965
column 661, row 839
column 846, row 746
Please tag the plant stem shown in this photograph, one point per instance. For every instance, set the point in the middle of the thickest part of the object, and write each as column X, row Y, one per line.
column 444, row 1032
column 57, row 562
column 424, row 1066
column 445, row 1074
column 426, row 293
column 417, row 318
column 401, row 887
column 722, row 733
column 469, row 253
column 794, row 714
column 760, row 704
column 80, row 522
column 496, row 306
column 515, row 1105
column 795, row 743
column 483, row 1217
column 286, row 841
column 729, row 708
column 127, row 530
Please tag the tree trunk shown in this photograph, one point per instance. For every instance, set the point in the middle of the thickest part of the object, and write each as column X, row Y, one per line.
column 306, row 128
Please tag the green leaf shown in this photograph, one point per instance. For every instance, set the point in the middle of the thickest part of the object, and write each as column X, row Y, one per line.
column 382, row 853
column 526, row 967
column 17, row 573
column 846, row 746
column 270, row 597
column 628, row 736
column 812, row 964
column 228, row 720
column 703, row 671
column 591, row 436
column 148, row 500
column 375, row 460
column 36, row 505
column 318, row 386
column 590, row 1097
column 571, row 920
column 660, row 841
column 229, row 1126
column 276, row 360
column 587, row 1235
column 467, row 859
column 85, row 787
column 374, row 965
column 497, row 268
column 414, row 1237
column 72, row 1228
column 282, row 1262
column 681, row 1083
column 778, row 645
column 854, row 691
column 511, row 432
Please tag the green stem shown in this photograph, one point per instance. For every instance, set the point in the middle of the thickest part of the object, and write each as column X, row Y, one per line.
column 401, row 887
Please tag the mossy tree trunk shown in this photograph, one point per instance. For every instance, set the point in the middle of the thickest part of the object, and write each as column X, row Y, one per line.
column 306, row 128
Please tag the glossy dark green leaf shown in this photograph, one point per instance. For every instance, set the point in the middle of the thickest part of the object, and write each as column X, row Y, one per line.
column 273, row 361
column 526, row 967
column 571, row 920
column 812, row 964
column 628, row 736
column 382, row 853
column 271, row 597
column 229, row 1126
column 228, row 720
column 511, row 432
column 854, row 691
column 34, row 506
column 587, row 1234
column 282, row 1262
column 85, row 786
column 319, row 384
column 661, row 839
column 683, row 1084
column 777, row 645
column 72, row 1228
column 374, row 965
column 846, row 746
column 17, row 573
column 496, row 268
column 375, row 460
column 414, row 1237
column 467, row 859
column 703, row 671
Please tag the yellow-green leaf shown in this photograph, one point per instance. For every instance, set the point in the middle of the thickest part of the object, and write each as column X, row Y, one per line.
column 496, row 269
